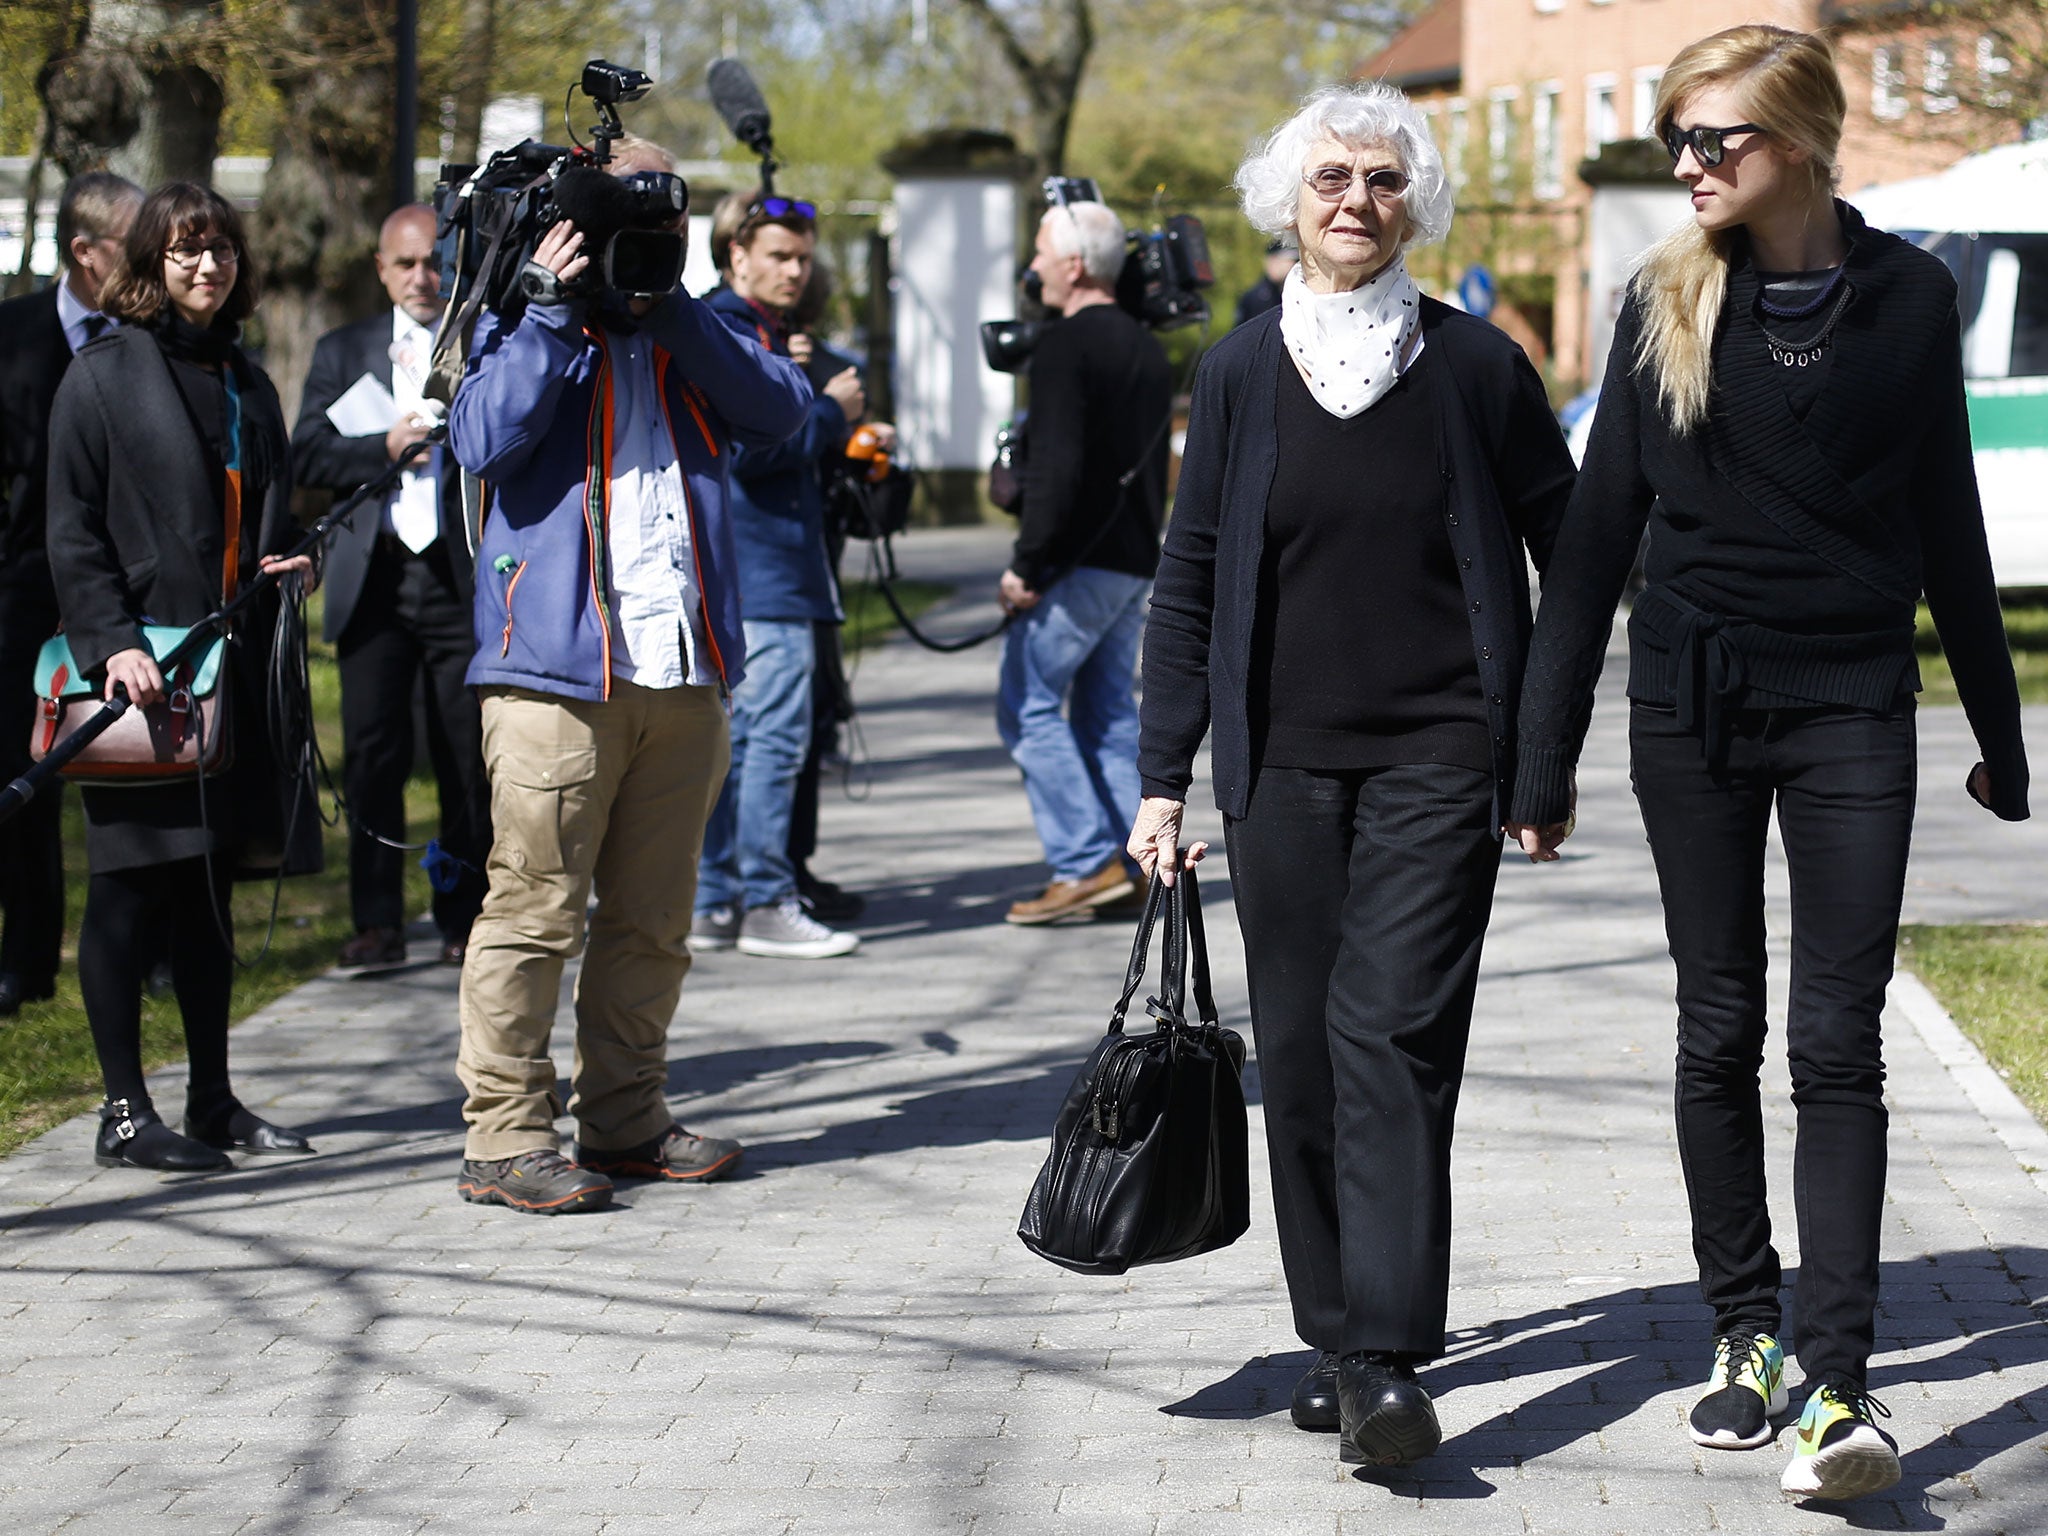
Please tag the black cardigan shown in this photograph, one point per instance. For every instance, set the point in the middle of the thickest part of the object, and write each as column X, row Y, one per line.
column 1507, row 479
column 135, row 530
column 1785, row 555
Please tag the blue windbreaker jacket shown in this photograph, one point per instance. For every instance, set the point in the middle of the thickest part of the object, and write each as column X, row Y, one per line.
column 533, row 421
column 778, row 496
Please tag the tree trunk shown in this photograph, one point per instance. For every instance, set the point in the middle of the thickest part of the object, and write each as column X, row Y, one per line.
column 1051, row 80
column 133, row 97
column 478, row 54
column 324, row 197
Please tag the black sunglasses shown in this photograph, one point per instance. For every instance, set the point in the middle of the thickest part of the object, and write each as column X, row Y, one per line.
column 782, row 208
column 1708, row 144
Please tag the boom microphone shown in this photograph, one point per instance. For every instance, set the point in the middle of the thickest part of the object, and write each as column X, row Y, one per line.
column 740, row 103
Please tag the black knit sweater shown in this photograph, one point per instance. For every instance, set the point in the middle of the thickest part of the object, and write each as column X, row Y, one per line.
column 1785, row 554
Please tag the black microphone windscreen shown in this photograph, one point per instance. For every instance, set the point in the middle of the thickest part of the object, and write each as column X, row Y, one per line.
column 738, row 100
column 597, row 202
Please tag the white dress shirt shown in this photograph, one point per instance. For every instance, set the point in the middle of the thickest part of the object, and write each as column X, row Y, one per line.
column 657, row 623
column 72, row 315
column 413, row 511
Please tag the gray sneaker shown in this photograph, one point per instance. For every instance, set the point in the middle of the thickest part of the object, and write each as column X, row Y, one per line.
column 715, row 929
column 785, row 931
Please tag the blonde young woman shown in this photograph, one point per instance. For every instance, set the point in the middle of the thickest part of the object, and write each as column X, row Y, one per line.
column 1784, row 406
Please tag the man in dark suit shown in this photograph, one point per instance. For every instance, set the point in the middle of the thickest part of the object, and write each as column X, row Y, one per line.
column 399, row 585
column 38, row 334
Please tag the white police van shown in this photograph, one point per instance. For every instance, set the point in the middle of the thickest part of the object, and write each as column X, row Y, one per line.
column 1987, row 218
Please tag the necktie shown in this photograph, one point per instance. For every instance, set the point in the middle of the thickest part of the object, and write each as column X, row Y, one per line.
column 95, row 325
column 416, row 511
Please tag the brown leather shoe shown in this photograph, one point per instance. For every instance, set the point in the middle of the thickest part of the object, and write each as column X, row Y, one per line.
column 1074, row 900
column 453, row 951
column 374, row 946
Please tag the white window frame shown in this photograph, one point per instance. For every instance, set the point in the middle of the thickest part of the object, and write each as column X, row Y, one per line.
column 1644, row 103
column 1992, row 67
column 1599, row 89
column 1500, row 124
column 1887, row 84
column 1546, row 139
column 1937, row 75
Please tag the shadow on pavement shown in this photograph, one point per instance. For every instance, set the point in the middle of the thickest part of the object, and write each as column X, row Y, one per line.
column 1641, row 1350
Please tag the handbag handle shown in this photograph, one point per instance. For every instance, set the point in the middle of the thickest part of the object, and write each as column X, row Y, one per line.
column 1198, row 948
column 1156, row 895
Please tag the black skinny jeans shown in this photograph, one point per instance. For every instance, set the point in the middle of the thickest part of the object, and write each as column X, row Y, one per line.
column 1363, row 897
column 1843, row 784
column 129, row 915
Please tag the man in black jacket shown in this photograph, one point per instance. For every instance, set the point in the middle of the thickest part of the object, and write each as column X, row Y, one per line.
column 38, row 334
column 399, row 590
column 1088, row 544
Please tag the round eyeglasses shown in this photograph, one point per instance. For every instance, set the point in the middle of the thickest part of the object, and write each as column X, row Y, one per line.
column 186, row 253
column 1332, row 182
column 1709, row 145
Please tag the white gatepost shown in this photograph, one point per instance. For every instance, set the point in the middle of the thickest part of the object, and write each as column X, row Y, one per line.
column 955, row 267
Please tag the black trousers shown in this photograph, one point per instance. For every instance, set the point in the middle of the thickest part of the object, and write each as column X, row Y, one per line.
column 31, row 841
column 1842, row 781
column 129, row 913
column 1364, row 897
column 411, row 622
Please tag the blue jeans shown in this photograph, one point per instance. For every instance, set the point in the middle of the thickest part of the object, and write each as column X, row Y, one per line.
column 746, row 843
column 1066, row 710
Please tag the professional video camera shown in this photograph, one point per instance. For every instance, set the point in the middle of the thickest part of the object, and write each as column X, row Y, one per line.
column 1161, row 283
column 492, row 216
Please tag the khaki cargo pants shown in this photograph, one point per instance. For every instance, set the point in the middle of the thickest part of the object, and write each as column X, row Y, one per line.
column 612, row 795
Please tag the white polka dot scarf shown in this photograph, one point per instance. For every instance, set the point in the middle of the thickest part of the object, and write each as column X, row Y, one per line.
column 1351, row 347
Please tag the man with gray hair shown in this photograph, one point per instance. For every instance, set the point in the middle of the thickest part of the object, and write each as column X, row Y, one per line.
column 38, row 334
column 1094, row 498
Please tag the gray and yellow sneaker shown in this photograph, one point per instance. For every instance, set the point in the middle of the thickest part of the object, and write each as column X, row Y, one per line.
column 1745, row 1387
column 1838, row 1451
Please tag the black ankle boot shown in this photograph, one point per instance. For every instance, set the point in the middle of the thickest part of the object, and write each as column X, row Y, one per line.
column 134, row 1137
column 1387, row 1418
column 225, row 1124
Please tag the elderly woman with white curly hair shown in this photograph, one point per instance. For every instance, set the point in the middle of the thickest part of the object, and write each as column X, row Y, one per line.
column 1342, row 602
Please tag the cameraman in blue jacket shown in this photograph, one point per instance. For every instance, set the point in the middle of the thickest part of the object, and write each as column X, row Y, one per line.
column 609, row 641
column 747, row 891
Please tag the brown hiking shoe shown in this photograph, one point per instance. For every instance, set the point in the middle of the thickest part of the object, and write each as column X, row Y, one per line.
column 541, row 1183
column 1069, row 900
column 675, row 1155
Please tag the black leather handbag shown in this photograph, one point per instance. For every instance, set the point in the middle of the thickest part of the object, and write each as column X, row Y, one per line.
column 1148, row 1160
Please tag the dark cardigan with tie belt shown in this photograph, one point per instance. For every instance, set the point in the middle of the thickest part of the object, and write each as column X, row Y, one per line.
column 1786, row 552
column 1506, row 480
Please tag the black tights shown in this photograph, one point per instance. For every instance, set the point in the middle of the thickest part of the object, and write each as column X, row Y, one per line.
column 129, row 914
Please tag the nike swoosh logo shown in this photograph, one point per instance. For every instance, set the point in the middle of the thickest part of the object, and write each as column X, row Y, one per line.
column 1805, row 1435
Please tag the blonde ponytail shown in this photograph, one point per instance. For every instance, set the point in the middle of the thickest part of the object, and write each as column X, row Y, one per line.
column 1793, row 90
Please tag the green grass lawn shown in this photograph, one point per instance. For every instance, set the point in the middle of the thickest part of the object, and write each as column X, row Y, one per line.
column 2026, row 628
column 1993, row 980
column 47, row 1069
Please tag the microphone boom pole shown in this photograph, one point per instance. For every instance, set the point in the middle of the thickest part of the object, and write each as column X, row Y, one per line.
column 24, row 789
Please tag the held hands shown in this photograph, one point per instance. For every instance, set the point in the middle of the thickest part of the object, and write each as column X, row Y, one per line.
column 300, row 565
column 1541, row 843
column 405, row 431
column 1156, row 834
column 561, row 251
column 1017, row 597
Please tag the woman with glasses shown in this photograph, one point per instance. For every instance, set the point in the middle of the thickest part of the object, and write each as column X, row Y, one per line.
column 169, row 474
column 1342, row 602
column 1784, row 407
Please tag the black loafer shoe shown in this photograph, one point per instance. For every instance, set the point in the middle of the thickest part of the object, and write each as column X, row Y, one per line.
column 1315, row 1396
column 231, row 1128
column 132, row 1137
column 1386, row 1418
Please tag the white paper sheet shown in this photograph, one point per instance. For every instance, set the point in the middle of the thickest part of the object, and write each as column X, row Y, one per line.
column 365, row 409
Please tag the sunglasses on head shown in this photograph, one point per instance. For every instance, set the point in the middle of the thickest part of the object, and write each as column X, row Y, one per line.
column 782, row 208
column 1709, row 145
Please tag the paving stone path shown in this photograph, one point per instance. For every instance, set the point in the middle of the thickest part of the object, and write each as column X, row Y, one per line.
column 849, row 1338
